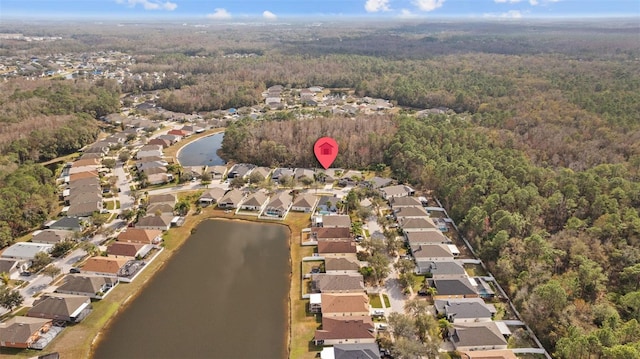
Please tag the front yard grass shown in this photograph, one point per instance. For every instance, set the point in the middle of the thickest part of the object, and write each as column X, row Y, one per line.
column 374, row 300
column 387, row 303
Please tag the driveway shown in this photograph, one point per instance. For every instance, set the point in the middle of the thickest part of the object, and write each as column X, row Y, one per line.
column 393, row 289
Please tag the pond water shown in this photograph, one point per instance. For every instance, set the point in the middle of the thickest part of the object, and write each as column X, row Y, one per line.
column 203, row 151
column 224, row 294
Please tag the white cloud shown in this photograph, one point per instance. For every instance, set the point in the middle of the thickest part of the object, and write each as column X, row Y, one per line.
column 406, row 14
column 219, row 14
column 509, row 1
column 428, row 5
column 511, row 14
column 533, row 2
column 269, row 15
column 377, row 5
column 150, row 4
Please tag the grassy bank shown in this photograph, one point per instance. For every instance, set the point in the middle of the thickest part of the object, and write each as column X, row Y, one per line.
column 171, row 152
column 76, row 341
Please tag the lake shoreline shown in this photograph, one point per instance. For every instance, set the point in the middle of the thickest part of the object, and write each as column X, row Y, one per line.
column 191, row 140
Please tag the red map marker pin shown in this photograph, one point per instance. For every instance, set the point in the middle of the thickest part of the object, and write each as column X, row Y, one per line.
column 326, row 151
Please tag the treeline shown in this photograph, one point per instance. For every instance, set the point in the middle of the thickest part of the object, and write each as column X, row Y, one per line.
column 27, row 199
column 565, row 243
column 361, row 141
column 43, row 119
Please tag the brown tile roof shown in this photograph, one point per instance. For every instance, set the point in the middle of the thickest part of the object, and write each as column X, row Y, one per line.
column 81, row 175
column 85, row 283
column 137, row 235
column 124, row 249
column 163, row 198
column 358, row 327
column 336, row 246
column 489, row 354
column 425, row 237
column 86, row 162
column 330, row 233
column 335, row 303
column 104, row 264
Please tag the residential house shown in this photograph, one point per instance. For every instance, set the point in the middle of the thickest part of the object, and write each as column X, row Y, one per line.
column 377, row 182
column 345, row 304
column 159, row 178
column 262, row 171
column 142, row 161
column 336, row 248
column 441, row 269
column 334, row 221
column 123, row 249
column 92, row 286
column 279, row 205
column 173, row 139
column 51, row 236
column 162, row 222
column 397, row 202
column 12, row 266
column 167, row 198
column 432, row 252
column 337, row 283
column 106, row 266
column 145, row 166
column 329, row 233
column 22, row 332
column 279, row 173
column 477, row 336
column 467, row 310
column 180, row 133
column 82, row 175
column 231, row 199
column 428, row 237
column 421, row 224
column 241, row 170
column 160, row 209
column 155, row 170
column 192, row 171
column 303, row 172
column 255, row 202
column 84, row 209
column 160, row 141
column 328, row 205
column 25, row 250
column 61, row 307
column 396, row 191
column 351, row 351
column 305, row 202
column 454, row 288
column 341, row 266
column 217, row 172
column 68, row 223
column 211, row 196
column 329, row 175
column 350, row 178
column 140, row 236
column 149, row 150
column 404, row 213
column 343, row 330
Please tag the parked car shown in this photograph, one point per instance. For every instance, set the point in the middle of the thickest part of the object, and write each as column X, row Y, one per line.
column 25, row 274
column 74, row 270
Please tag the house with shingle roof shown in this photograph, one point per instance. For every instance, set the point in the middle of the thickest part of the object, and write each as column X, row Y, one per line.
column 124, row 249
column 51, row 236
column 488, row 354
column 84, row 209
column 140, row 236
column 211, row 196
column 162, row 222
column 68, row 223
column 428, row 237
column 432, row 252
column 454, row 288
column 336, row 248
column 255, row 202
column 305, row 202
column 279, row 205
column 92, row 286
column 351, row 351
column 396, row 191
column 64, row 307
column 341, row 265
column 441, row 269
column 344, row 304
column 336, row 330
column 465, row 310
column 231, row 199
column 407, row 212
column 12, row 266
column 107, row 266
column 331, row 221
column 22, row 332
column 477, row 336
column 337, row 283
column 417, row 225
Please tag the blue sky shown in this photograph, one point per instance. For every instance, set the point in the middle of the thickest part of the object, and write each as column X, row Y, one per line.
column 217, row 10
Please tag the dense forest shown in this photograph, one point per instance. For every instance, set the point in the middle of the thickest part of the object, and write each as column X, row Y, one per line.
column 538, row 159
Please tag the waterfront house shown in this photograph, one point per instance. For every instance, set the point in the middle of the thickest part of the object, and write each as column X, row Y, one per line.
column 279, row 205
column 344, row 304
column 337, row 283
column 339, row 330
column 61, row 307
column 341, row 265
column 351, row 351
column 92, row 286
column 336, row 248
column 255, row 202
column 141, row 236
column 231, row 199
column 305, row 202
column 106, row 266
column 211, row 196
column 22, row 332
column 161, row 222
